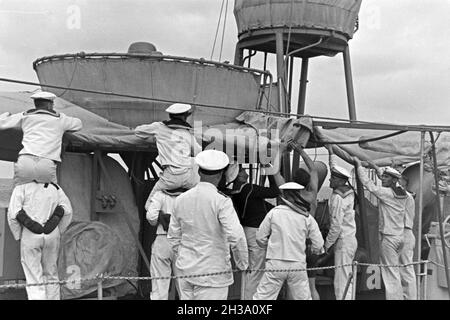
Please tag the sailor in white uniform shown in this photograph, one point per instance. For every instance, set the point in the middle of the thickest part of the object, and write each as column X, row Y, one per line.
column 407, row 274
column 392, row 210
column 342, row 233
column 159, row 210
column 43, row 129
column 176, row 146
column 38, row 214
column 284, row 231
column 203, row 227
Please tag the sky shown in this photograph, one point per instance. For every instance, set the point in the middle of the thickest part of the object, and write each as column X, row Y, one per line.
column 400, row 54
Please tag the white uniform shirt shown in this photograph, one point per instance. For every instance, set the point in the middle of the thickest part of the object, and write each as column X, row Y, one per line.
column 160, row 201
column 285, row 231
column 39, row 202
column 410, row 211
column 42, row 132
column 175, row 146
column 342, row 217
column 203, row 227
column 391, row 207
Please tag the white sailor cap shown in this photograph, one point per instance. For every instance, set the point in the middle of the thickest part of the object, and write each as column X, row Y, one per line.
column 340, row 172
column 43, row 95
column 231, row 173
column 212, row 160
column 178, row 108
column 291, row 186
column 393, row 172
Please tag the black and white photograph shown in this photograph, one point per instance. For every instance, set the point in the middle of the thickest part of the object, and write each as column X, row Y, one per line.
column 243, row 152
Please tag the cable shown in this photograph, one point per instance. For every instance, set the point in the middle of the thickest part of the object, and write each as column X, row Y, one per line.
column 246, row 200
column 290, row 27
column 172, row 101
column 361, row 141
column 251, row 53
column 242, row 108
column 217, row 30
column 223, row 30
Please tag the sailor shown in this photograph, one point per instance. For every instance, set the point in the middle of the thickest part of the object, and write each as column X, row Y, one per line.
column 284, row 231
column 43, row 129
column 407, row 274
column 309, row 178
column 392, row 203
column 250, row 204
column 342, row 233
column 38, row 214
column 176, row 146
column 203, row 228
column 159, row 209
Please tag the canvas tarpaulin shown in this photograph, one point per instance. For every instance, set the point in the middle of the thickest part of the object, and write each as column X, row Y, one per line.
column 320, row 14
column 160, row 77
column 254, row 131
column 257, row 135
column 87, row 250
column 401, row 149
column 97, row 133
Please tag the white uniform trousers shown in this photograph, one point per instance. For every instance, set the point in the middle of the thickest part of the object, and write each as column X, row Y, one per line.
column 343, row 254
column 170, row 179
column 190, row 291
column 407, row 274
column 256, row 260
column 30, row 168
column 390, row 247
column 39, row 257
column 296, row 281
column 161, row 265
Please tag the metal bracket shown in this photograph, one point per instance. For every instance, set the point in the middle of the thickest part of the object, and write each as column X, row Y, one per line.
column 106, row 203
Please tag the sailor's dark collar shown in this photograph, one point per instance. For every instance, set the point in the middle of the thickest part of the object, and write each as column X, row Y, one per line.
column 239, row 189
column 177, row 124
column 343, row 194
column 399, row 192
column 52, row 113
column 294, row 207
column 222, row 193
column 175, row 192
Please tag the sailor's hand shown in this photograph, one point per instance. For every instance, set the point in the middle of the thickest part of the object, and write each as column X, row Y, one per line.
column 283, row 146
column 296, row 147
column 367, row 164
column 393, row 163
column 210, row 140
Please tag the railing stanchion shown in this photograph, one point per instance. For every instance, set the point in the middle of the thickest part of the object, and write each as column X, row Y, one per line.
column 355, row 277
column 100, row 288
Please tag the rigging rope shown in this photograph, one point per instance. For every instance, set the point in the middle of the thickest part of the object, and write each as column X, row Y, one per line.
column 290, row 30
column 223, row 29
column 217, row 30
column 242, row 108
column 361, row 141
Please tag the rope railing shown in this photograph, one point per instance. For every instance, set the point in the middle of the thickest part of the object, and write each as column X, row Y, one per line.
column 105, row 276
column 437, row 264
